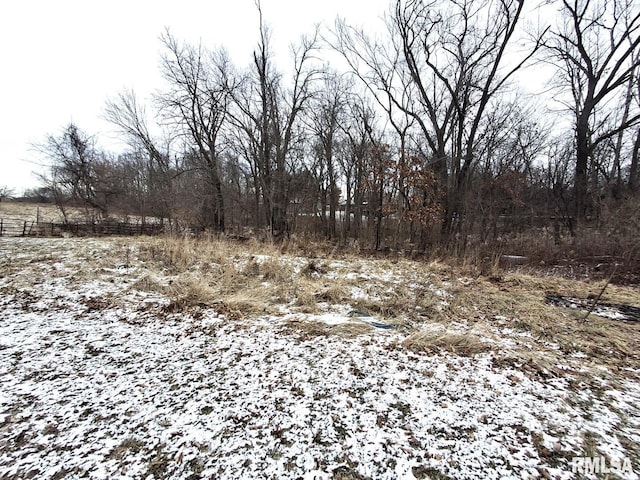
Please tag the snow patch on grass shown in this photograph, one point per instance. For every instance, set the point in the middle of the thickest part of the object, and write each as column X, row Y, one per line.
column 100, row 381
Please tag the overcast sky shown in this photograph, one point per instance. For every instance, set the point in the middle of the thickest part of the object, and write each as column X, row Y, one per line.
column 61, row 59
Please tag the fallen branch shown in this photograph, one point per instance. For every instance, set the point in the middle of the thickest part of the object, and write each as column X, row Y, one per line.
column 595, row 302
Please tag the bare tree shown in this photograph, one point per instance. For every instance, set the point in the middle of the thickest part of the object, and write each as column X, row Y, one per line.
column 616, row 168
column 442, row 66
column 268, row 115
column 354, row 159
column 126, row 113
column 5, row 192
column 138, row 194
column 196, row 104
column 597, row 51
column 327, row 113
column 633, row 168
column 79, row 172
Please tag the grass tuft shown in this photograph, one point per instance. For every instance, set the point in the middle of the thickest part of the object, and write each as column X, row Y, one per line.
column 309, row 329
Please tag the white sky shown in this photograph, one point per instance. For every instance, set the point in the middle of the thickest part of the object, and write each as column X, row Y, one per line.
column 62, row 59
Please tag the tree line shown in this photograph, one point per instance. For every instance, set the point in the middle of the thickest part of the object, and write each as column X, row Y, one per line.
column 426, row 137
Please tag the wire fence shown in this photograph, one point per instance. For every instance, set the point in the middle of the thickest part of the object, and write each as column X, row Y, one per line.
column 13, row 228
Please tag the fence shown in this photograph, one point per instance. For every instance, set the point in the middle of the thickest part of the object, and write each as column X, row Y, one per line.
column 51, row 229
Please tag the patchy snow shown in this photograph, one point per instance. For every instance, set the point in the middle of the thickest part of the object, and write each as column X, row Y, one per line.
column 609, row 313
column 358, row 293
column 328, row 318
column 99, row 382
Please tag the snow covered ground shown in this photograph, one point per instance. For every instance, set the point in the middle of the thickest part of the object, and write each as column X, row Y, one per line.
column 99, row 380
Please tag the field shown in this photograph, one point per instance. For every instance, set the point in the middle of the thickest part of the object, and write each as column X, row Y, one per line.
column 45, row 219
column 180, row 358
column 18, row 212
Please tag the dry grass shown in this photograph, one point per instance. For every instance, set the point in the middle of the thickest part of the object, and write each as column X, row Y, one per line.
column 517, row 302
column 309, row 329
column 210, row 272
column 31, row 212
column 255, row 279
column 190, row 290
column 437, row 342
column 251, row 279
column 12, row 211
column 505, row 312
column 306, row 300
column 149, row 283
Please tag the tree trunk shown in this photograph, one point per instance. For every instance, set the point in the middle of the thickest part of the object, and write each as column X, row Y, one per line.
column 357, row 200
column 633, row 171
column 333, row 203
column 582, row 166
column 279, row 227
column 218, row 217
column 616, row 170
column 346, row 229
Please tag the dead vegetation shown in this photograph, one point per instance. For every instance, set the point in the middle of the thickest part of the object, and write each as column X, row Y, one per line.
column 475, row 311
column 434, row 306
column 517, row 302
column 305, row 329
column 438, row 342
column 258, row 278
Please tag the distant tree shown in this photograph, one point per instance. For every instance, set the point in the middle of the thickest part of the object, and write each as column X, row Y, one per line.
column 596, row 48
column 326, row 115
column 136, row 185
column 38, row 195
column 267, row 115
column 196, row 105
column 5, row 192
column 354, row 159
column 79, row 172
column 129, row 116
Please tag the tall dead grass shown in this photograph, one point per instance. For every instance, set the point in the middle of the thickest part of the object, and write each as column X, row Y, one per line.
column 253, row 279
column 256, row 277
column 516, row 302
column 212, row 272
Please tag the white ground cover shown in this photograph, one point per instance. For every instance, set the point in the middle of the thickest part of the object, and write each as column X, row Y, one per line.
column 97, row 381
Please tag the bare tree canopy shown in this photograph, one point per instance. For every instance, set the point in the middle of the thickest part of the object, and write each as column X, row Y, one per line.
column 443, row 65
column 79, row 172
column 268, row 115
column 596, row 47
column 196, row 104
column 6, row 192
